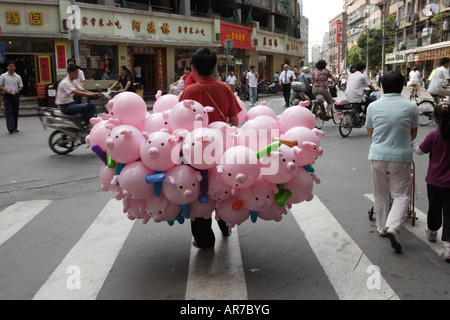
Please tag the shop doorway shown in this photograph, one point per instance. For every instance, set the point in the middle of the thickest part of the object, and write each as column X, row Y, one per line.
column 149, row 68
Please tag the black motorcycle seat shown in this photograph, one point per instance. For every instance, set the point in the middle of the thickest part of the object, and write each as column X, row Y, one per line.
column 59, row 113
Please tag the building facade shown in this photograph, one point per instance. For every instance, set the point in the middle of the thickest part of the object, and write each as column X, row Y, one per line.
column 337, row 43
column 158, row 36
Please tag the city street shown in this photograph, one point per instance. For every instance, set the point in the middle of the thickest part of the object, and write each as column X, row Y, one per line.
column 62, row 237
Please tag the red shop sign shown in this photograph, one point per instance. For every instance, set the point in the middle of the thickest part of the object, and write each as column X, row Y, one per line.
column 240, row 35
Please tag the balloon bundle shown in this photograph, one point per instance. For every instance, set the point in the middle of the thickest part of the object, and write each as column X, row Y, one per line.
column 171, row 165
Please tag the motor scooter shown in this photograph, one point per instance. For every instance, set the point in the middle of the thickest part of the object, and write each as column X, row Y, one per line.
column 69, row 133
column 298, row 89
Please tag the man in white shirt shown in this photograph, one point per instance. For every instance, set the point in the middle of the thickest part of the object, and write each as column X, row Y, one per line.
column 356, row 84
column 252, row 85
column 67, row 88
column 441, row 77
column 81, row 80
column 231, row 80
column 414, row 80
column 11, row 84
column 286, row 78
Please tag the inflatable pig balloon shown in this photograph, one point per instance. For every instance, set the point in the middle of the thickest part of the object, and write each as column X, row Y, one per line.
column 159, row 150
column 157, row 122
column 202, row 148
column 189, row 114
column 123, row 144
column 232, row 215
column 135, row 209
column 242, row 115
column 257, row 134
column 296, row 116
column 280, row 165
column 272, row 213
column 261, row 110
column 182, row 186
column 308, row 142
column 201, row 210
column 239, row 167
column 98, row 133
column 301, row 187
column 129, row 108
column 132, row 181
column 161, row 209
column 218, row 190
column 106, row 176
column 164, row 102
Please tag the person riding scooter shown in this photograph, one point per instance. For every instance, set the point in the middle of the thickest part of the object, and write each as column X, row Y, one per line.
column 65, row 100
column 356, row 84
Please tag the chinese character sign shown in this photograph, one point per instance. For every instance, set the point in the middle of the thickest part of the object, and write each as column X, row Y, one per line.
column 240, row 35
column 44, row 69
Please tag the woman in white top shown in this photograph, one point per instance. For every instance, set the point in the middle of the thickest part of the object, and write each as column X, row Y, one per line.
column 414, row 80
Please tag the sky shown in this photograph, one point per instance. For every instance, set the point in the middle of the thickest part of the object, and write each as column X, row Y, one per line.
column 319, row 13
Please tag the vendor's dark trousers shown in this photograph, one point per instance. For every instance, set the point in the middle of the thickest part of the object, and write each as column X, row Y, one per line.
column 287, row 93
column 203, row 233
column 438, row 207
column 11, row 103
column 86, row 109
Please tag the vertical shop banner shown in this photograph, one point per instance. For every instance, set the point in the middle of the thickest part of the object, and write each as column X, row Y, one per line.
column 61, row 65
column 240, row 35
column 45, row 74
column 160, row 69
column 339, row 32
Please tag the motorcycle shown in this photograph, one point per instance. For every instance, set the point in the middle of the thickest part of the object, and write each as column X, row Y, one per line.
column 343, row 84
column 69, row 133
column 299, row 93
column 351, row 115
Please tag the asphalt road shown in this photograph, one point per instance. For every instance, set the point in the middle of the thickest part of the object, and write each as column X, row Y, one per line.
column 64, row 238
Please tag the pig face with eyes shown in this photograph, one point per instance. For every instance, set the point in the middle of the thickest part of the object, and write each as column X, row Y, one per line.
column 159, row 150
column 161, row 209
column 308, row 142
column 123, row 144
column 258, row 196
column 189, row 114
column 182, row 184
column 281, row 165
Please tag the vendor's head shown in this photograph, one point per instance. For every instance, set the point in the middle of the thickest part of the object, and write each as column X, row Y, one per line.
column 72, row 70
column 203, row 62
column 392, row 82
column 445, row 62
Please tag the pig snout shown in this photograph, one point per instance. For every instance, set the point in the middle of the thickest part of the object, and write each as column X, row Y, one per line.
column 290, row 167
column 319, row 151
column 188, row 194
column 241, row 178
column 153, row 153
column 109, row 144
column 198, row 117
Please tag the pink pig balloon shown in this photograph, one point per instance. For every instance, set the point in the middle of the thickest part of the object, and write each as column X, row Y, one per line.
column 231, row 216
column 157, row 122
column 164, row 102
column 98, row 134
column 132, row 180
column 301, row 187
column 272, row 213
column 239, row 167
column 257, row 134
column 135, row 209
column 159, row 150
column 258, row 196
column 307, row 141
column 161, row 209
column 129, row 108
column 189, row 114
column 201, row 210
column 296, row 116
column 182, row 184
column 281, row 165
column 106, row 176
column 261, row 110
column 242, row 115
column 218, row 190
column 123, row 144
column 202, row 148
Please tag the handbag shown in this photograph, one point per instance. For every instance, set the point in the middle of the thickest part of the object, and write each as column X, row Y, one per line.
column 333, row 91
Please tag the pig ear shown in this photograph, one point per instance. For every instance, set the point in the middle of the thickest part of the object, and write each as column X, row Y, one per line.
column 275, row 189
column 296, row 150
column 209, row 109
column 172, row 181
column 145, row 135
column 127, row 133
column 220, row 169
column 198, row 176
column 318, row 132
column 166, row 114
column 158, row 94
column 309, row 145
column 188, row 103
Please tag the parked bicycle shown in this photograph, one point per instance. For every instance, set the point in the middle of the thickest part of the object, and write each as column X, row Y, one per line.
column 426, row 109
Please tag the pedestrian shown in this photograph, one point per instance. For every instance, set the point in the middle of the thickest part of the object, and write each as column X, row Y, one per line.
column 231, row 80
column 125, row 79
column 209, row 91
column 138, row 74
column 276, row 80
column 243, row 89
column 306, row 78
column 11, row 85
column 80, row 80
column 286, row 78
column 320, row 83
column 252, row 85
column 392, row 123
column 437, row 144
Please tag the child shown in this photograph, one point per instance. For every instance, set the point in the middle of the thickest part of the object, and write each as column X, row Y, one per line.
column 437, row 144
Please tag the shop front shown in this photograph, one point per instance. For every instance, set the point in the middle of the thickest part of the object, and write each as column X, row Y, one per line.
column 429, row 57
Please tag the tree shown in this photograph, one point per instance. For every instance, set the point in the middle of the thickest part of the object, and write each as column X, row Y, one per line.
column 358, row 53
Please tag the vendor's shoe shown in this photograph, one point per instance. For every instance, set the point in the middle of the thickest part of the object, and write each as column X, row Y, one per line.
column 446, row 254
column 381, row 232
column 431, row 235
column 392, row 235
column 194, row 243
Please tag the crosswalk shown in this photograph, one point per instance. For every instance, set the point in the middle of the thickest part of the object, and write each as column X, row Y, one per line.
column 92, row 266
